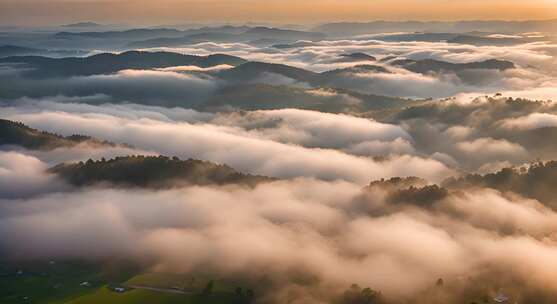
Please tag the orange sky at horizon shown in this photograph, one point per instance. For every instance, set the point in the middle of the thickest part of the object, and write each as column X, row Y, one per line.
column 52, row 12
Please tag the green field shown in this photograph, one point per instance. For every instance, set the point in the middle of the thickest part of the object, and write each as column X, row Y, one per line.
column 61, row 283
column 189, row 283
column 136, row 296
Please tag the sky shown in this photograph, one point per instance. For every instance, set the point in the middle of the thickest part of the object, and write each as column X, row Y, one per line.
column 55, row 12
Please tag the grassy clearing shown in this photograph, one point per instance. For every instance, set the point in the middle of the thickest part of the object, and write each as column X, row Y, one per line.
column 60, row 283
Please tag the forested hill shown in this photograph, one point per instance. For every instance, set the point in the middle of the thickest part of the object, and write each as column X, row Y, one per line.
column 18, row 134
column 153, row 172
column 537, row 181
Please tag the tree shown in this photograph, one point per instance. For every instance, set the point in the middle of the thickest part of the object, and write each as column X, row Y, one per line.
column 209, row 288
column 250, row 295
column 356, row 295
column 440, row 282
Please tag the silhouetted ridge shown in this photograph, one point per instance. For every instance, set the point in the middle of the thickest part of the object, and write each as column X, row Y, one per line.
column 153, row 171
column 277, row 33
column 127, row 34
column 14, row 50
column 108, row 63
column 253, row 70
column 16, row 133
column 356, row 57
column 363, row 68
column 538, row 181
column 258, row 96
column 82, row 24
column 431, row 65
column 257, row 35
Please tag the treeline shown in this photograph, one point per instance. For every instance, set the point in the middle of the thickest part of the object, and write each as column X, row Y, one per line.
column 153, row 172
column 19, row 134
column 537, row 181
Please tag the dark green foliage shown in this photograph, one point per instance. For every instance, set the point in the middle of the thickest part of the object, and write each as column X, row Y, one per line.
column 397, row 183
column 409, row 190
column 60, row 282
column 356, row 295
column 243, row 297
column 250, row 296
column 209, row 288
column 424, row 196
column 539, row 181
column 16, row 133
column 153, row 171
column 55, row 281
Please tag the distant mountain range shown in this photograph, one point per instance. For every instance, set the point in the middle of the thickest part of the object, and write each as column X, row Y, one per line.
column 127, row 34
column 246, row 85
column 362, row 28
column 168, row 37
column 108, row 63
column 253, row 71
column 14, row 50
column 82, row 24
column 431, row 65
column 495, row 41
column 257, row 35
column 473, row 38
column 93, row 36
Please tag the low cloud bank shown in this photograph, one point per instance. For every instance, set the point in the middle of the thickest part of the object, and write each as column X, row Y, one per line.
column 297, row 143
column 314, row 234
column 301, row 236
column 22, row 176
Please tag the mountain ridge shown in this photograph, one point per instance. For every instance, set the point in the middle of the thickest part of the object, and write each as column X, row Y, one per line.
column 19, row 134
column 153, row 172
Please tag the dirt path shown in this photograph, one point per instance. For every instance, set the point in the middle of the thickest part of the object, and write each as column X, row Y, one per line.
column 167, row 290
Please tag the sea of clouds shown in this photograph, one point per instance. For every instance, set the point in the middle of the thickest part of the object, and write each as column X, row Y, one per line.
column 316, row 230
